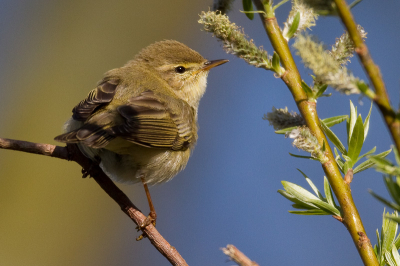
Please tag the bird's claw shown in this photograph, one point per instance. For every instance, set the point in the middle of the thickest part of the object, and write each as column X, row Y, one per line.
column 150, row 219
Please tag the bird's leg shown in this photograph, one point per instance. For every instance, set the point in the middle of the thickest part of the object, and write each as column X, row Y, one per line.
column 152, row 217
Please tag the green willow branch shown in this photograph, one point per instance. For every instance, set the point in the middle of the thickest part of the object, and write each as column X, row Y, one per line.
column 381, row 99
column 350, row 215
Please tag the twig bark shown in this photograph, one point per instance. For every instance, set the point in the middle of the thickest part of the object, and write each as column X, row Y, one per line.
column 72, row 153
column 237, row 256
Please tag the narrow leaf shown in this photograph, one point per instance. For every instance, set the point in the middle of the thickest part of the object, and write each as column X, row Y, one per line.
column 326, row 207
column 395, row 255
column 340, row 164
column 366, row 123
column 390, row 234
column 328, row 192
column 310, row 212
column 369, row 163
column 332, row 137
column 285, row 130
column 393, row 188
column 331, row 121
column 248, row 7
column 336, row 153
column 352, row 122
column 392, row 205
column 276, row 62
column 321, row 90
column 295, row 200
column 304, row 157
column 367, row 153
column 357, row 140
column 307, row 90
column 397, row 220
column 313, row 187
column 298, row 192
column 389, row 259
column 294, row 26
column 303, row 206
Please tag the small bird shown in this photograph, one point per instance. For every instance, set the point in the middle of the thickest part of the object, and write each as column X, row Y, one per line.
column 140, row 122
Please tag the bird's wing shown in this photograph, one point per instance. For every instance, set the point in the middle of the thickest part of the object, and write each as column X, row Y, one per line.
column 146, row 120
column 158, row 122
column 98, row 97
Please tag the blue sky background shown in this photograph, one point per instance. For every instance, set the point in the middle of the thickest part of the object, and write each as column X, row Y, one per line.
column 52, row 55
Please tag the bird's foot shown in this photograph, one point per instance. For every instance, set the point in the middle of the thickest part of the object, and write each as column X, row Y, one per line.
column 150, row 219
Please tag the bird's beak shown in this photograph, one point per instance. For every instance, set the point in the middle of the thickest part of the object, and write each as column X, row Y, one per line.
column 210, row 64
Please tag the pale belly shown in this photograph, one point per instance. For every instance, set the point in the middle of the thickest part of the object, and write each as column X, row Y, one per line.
column 124, row 161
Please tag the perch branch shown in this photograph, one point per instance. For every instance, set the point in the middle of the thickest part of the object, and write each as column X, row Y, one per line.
column 72, row 153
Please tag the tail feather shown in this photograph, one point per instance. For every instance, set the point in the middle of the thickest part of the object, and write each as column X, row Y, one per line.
column 92, row 138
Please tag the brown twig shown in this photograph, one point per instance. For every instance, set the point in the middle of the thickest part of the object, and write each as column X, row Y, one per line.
column 237, row 256
column 72, row 153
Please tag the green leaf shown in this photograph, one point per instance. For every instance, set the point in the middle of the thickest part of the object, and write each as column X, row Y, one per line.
column 297, row 202
column 331, row 121
column 303, row 206
column 294, row 26
column 298, row 192
column 393, row 188
column 276, row 62
column 310, row 212
column 385, row 166
column 321, row 90
column 340, row 164
column 379, row 243
column 313, row 187
column 347, row 158
column 366, row 123
column 389, row 258
column 367, row 153
column 357, row 140
column 285, row 130
column 328, row 192
column 395, row 255
column 362, row 86
column 351, row 122
column 389, row 233
column 248, row 7
column 307, row 90
column 336, row 153
column 394, row 218
column 369, row 163
column 332, row 137
column 303, row 157
column 326, row 207
column 392, row 205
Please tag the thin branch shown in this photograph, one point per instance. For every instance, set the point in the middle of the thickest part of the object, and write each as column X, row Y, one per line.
column 351, row 217
column 373, row 72
column 237, row 256
column 72, row 153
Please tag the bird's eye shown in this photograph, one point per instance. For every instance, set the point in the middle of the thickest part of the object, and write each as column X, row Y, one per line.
column 180, row 69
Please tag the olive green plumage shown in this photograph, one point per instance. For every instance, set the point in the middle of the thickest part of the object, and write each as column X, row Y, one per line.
column 141, row 119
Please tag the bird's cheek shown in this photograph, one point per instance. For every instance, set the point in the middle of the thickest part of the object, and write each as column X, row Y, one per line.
column 176, row 84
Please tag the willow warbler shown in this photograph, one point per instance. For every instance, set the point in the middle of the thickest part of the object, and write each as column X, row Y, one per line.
column 140, row 122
